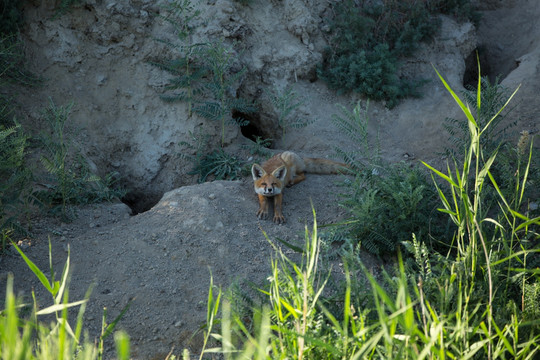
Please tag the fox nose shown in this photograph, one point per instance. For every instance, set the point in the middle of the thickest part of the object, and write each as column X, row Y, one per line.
column 269, row 190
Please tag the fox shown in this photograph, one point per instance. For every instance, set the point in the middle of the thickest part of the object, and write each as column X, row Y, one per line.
column 285, row 170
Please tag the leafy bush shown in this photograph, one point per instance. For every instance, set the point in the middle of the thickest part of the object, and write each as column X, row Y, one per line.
column 386, row 202
column 219, row 164
column 218, row 102
column 369, row 38
column 387, row 208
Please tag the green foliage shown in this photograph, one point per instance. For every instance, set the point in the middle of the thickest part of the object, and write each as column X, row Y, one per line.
column 286, row 103
column 14, row 175
column 259, row 147
column 368, row 40
column 439, row 315
column 493, row 98
column 204, row 74
column 494, row 248
column 28, row 338
column 219, row 164
column 386, row 202
column 387, row 207
column 71, row 181
column 189, row 76
column 11, row 17
column 218, row 102
column 181, row 14
column 12, row 66
column 188, row 69
column 354, row 125
column 216, row 164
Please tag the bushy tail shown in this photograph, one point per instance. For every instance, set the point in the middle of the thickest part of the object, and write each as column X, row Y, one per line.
column 324, row 166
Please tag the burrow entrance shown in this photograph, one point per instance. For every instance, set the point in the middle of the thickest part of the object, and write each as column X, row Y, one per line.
column 470, row 77
column 490, row 67
column 140, row 202
column 253, row 128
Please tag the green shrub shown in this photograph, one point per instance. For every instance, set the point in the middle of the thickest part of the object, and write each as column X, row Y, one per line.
column 369, row 39
column 218, row 102
column 386, row 208
column 386, row 202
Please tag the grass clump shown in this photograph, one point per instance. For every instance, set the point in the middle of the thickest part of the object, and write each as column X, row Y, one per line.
column 370, row 38
column 29, row 338
column 209, row 164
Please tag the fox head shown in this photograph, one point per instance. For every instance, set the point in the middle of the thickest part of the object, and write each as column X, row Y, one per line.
column 268, row 184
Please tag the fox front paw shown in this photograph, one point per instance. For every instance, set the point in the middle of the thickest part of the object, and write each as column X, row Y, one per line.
column 262, row 214
column 279, row 218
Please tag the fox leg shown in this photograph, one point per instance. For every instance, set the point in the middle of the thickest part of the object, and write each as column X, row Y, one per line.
column 278, row 215
column 298, row 178
column 262, row 213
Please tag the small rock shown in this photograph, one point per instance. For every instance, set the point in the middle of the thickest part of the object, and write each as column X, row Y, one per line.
column 212, row 196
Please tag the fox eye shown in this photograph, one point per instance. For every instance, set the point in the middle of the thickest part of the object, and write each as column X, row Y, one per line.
column 264, row 184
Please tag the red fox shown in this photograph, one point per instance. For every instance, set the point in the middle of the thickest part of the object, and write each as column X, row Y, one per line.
column 285, row 169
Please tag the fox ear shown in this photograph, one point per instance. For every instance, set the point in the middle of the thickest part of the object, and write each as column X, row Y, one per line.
column 280, row 172
column 257, row 171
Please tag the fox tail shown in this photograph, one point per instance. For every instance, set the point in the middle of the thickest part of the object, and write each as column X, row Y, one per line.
column 324, row 166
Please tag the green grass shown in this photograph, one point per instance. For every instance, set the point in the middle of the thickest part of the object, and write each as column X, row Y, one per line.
column 27, row 337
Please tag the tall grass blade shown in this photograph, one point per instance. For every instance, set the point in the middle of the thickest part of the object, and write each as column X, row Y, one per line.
column 42, row 278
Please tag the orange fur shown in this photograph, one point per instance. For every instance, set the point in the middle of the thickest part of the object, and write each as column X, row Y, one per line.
column 285, row 169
